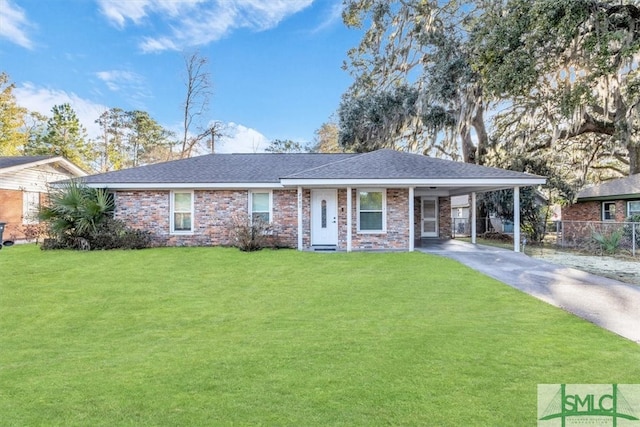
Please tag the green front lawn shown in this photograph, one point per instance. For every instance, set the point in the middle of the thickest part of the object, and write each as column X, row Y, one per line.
column 213, row 336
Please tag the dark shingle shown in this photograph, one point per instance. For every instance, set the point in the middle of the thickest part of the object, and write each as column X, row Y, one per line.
column 10, row 161
column 219, row 168
column 270, row 168
column 391, row 164
column 623, row 187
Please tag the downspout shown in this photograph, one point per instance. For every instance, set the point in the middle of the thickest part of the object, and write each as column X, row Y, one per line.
column 516, row 219
column 473, row 218
column 299, row 218
column 349, row 221
column 412, row 231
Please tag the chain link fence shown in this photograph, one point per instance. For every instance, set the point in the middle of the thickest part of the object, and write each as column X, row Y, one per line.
column 599, row 237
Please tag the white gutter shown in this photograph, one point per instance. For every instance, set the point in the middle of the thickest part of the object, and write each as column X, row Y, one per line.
column 439, row 182
column 181, row 185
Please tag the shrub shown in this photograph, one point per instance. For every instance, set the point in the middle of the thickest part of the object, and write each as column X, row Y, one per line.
column 247, row 234
column 81, row 218
column 494, row 235
column 608, row 243
column 114, row 234
column 34, row 231
column 75, row 211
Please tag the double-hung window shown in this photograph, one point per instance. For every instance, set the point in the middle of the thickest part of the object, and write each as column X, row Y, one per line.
column 260, row 204
column 608, row 211
column 633, row 208
column 182, row 212
column 372, row 211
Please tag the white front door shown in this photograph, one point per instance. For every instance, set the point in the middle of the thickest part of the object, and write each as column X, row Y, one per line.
column 429, row 217
column 324, row 217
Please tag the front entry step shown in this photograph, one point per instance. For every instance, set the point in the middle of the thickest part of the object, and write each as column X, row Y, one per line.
column 324, row 248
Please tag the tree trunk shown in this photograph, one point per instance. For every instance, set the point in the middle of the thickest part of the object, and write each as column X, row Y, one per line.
column 634, row 158
column 468, row 149
column 481, row 132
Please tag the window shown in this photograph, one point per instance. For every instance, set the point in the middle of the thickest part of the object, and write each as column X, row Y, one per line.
column 371, row 210
column 260, row 204
column 609, row 211
column 182, row 212
column 323, row 215
column 30, row 207
column 633, row 208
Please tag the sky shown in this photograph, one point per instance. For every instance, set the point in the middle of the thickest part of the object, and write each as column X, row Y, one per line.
column 275, row 64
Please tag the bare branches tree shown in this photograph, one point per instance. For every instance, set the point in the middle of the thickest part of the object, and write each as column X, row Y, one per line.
column 196, row 103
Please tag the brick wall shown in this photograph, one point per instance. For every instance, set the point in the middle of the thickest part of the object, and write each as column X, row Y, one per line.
column 149, row 210
column 444, row 217
column 213, row 212
column 397, row 234
column 285, row 218
column 11, row 214
column 592, row 211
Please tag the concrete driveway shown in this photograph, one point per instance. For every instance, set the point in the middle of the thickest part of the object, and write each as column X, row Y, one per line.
column 608, row 303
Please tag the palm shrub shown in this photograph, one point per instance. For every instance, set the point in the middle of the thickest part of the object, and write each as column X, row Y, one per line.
column 608, row 243
column 74, row 211
column 80, row 217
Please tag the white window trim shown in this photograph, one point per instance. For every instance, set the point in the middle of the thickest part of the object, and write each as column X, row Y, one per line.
column 603, row 211
column 250, row 207
column 172, row 229
column 629, row 207
column 384, row 209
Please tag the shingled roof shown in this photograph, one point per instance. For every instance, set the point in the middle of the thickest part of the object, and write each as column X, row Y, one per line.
column 296, row 169
column 391, row 164
column 219, row 168
column 10, row 164
column 11, row 161
column 623, row 188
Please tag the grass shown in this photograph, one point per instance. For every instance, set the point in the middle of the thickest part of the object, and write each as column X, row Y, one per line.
column 213, row 336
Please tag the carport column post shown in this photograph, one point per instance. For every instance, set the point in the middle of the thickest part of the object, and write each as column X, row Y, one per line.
column 299, row 218
column 412, row 231
column 516, row 219
column 349, row 225
column 473, row 218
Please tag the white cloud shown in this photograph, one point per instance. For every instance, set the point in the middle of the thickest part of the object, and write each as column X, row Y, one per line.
column 241, row 139
column 14, row 24
column 116, row 80
column 198, row 22
column 119, row 11
column 42, row 100
column 129, row 84
column 332, row 18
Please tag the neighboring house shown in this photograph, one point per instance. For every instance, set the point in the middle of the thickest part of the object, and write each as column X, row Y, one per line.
column 612, row 201
column 379, row 200
column 460, row 215
column 23, row 187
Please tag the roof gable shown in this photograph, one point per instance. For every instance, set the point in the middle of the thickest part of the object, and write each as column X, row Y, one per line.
column 12, row 161
column 15, row 163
